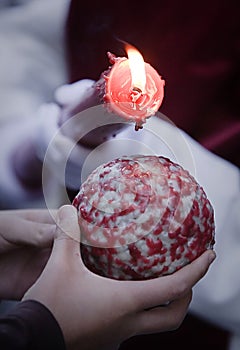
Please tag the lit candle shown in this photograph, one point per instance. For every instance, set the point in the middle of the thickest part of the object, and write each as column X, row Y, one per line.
column 132, row 88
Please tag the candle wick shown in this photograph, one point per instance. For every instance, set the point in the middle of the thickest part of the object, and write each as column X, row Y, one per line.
column 135, row 94
column 136, row 89
column 138, row 127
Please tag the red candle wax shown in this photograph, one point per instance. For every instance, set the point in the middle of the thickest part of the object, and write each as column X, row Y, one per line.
column 129, row 101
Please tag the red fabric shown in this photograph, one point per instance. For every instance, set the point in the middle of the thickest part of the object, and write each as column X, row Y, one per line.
column 194, row 46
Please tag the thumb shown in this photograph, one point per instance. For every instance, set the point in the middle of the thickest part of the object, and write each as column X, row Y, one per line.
column 67, row 235
column 67, row 224
column 64, row 258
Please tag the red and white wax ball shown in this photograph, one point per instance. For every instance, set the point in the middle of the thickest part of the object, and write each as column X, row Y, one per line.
column 142, row 217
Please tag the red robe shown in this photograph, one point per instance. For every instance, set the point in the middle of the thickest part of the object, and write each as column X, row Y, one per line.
column 30, row 326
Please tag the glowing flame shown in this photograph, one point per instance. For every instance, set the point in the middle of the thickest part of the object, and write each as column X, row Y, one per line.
column 137, row 68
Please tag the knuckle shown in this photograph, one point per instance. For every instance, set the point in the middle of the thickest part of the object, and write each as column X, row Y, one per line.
column 40, row 237
column 44, row 236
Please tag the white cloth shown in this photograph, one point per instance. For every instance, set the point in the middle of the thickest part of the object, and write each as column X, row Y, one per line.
column 33, row 32
column 32, row 66
column 32, row 58
column 235, row 342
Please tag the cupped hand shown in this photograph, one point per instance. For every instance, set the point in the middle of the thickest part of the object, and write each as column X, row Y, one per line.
column 99, row 313
column 26, row 238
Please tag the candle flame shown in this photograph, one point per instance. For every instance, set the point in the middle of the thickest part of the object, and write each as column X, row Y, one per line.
column 137, row 68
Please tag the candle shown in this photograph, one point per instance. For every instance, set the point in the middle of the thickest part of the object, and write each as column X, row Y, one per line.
column 133, row 88
column 130, row 89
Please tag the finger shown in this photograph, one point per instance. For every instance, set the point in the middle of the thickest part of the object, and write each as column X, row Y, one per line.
column 163, row 289
column 164, row 318
column 65, row 255
column 47, row 216
column 18, row 231
column 67, row 224
column 66, row 246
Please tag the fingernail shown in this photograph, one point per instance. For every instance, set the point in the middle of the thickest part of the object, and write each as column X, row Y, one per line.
column 65, row 211
column 67, row 221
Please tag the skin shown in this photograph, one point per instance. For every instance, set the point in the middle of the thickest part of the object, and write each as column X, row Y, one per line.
column 26, row 238
column 95, row 312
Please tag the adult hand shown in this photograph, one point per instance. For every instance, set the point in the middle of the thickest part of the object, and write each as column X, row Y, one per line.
column 26, row 238
column 99, row 313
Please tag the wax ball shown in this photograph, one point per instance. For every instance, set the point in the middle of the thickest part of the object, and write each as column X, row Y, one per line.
column 142, row 217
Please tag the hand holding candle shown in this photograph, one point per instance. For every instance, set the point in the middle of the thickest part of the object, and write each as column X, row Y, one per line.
column 130, row 89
